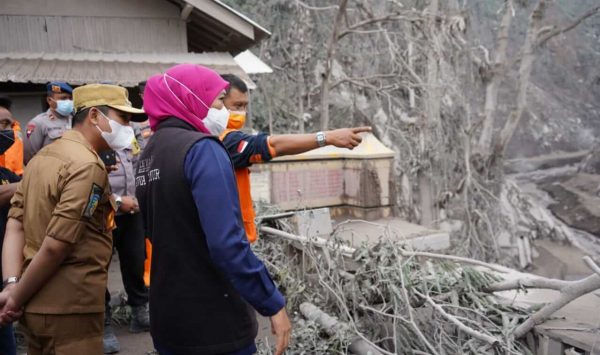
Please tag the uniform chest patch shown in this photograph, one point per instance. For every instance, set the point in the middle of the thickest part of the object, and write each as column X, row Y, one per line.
column 135, row 147
column 93, row 201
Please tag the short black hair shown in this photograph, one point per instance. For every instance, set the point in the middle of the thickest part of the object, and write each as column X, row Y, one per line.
column 5, row 101
column 82, row 114
column 235, row 83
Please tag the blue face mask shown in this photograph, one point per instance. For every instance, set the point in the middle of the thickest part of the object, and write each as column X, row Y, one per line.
column 64, row 107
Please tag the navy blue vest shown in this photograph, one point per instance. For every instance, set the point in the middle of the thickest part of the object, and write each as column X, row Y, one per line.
column 194, row 309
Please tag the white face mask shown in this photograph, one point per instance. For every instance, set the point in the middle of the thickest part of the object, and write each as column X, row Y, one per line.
column 120, row 136
column 216, row 120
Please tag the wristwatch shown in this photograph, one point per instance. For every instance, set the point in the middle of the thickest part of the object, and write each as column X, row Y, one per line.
column 10, row 280
column 321, row 139
column 118, row 201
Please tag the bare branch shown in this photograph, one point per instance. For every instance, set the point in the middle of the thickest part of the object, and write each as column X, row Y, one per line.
column 529, row 282
column 364, row 78
column 569, row 291
column 319, row 242
column 460, row 325
column 567, row 295
column 364, row 32
column 591, row 264
column 329, row 63
column 591, row 12
column 333, row 326
column 524, row 75
column 457, row 259
column 316, row 8
column 374, row 20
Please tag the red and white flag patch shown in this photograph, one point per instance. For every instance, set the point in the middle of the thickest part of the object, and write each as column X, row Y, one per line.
column 242, row 146
column 30, row 128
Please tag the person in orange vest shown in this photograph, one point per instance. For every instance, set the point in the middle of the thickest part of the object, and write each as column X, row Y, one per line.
column 247, row 149
column 12, row 159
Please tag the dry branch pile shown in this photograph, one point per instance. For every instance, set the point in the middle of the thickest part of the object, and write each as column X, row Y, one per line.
column 389, row 302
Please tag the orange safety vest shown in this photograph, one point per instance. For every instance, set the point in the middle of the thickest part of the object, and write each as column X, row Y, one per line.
column 242, row 176
column 148, row 262
column 12, row 159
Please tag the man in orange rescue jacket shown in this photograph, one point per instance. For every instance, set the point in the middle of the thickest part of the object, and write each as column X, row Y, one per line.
column 12, row 159
column 247, row 149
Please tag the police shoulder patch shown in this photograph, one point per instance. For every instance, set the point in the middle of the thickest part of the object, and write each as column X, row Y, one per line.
column 93, row 201
column 30, row 128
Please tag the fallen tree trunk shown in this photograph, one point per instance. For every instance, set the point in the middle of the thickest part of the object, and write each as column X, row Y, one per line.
column 569, row 291
column 319, row 242
column 567, row 294
column 333, row 326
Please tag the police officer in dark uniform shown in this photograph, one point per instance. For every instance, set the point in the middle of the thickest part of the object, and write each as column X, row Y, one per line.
column 50, row 125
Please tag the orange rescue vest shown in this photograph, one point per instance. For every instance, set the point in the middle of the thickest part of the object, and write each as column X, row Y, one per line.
column 12, row 159
column 243, row 182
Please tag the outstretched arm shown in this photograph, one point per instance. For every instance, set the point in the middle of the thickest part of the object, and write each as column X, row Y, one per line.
column 288, row 144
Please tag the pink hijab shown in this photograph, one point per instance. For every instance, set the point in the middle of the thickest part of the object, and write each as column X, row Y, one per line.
column 185, row 91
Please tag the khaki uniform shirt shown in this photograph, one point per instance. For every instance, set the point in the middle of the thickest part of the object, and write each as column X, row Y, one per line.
column 42, row 130
column 65, row 195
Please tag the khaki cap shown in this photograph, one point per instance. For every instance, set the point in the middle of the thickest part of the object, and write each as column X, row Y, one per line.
column 113, row 96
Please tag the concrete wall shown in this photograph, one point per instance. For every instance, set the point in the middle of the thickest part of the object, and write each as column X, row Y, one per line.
column 360, row 187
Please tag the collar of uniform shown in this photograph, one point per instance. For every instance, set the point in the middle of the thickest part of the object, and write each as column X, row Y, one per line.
column 54, row 115
column 75, row 136
column 50, row 114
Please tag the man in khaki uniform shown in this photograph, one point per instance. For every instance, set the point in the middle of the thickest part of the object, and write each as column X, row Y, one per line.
column 58, row 238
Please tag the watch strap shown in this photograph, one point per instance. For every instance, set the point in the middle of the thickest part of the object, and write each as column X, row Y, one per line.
column 10, row 280
column 321, row 139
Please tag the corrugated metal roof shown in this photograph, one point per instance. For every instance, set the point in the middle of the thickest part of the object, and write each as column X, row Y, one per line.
column 123, row 69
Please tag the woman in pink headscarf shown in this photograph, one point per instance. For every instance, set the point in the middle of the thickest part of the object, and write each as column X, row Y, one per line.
column 189, row 92
column 206, row 281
